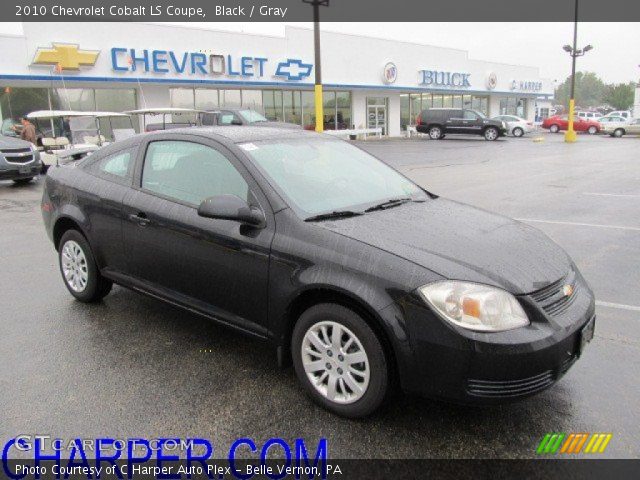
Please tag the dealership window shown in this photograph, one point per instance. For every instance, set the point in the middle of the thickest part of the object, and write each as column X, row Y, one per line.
column 206, row 99
column 466, row 101
column 437, row 101
column 481, row 104
column 17, row 102
column 308, row 110
column 405, row 113
column 182, row 97
column 457, row 101
column 292, row 106
column 272, row 103
column 513, row 106
column 230, row 98
column 252, row 99
column 343, row 109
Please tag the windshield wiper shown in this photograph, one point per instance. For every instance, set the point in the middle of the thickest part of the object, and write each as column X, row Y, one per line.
column 393, row 202
column 330, row 215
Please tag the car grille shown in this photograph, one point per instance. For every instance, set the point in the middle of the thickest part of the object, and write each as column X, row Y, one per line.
column 552, row 298
column 17, row 155
column 510, row 388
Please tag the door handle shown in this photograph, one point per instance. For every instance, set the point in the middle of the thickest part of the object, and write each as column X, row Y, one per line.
column 140, row 218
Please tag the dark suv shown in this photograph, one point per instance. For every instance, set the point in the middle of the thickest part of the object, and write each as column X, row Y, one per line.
column 437, row 122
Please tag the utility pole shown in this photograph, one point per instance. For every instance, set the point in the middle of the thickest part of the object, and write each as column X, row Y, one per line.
column 317, row 63
column 570, row 136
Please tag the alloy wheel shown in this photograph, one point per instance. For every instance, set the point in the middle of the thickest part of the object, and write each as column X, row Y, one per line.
column 491, row 134
column 435, row 133
column 74, row 266
column 335, row 362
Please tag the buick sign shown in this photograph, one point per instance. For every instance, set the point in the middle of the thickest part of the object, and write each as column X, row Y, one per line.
column 389, row 73
column 435, row 78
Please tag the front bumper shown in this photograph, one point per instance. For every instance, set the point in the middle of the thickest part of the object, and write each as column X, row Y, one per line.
column 16, row 172
column 459, row 365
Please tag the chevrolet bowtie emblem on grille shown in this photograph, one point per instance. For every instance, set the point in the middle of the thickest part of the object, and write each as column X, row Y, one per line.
column 567, row 290
column 65, row 56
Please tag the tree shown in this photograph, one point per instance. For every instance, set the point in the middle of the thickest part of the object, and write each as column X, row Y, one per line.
column 590, row 90
column 620, row 96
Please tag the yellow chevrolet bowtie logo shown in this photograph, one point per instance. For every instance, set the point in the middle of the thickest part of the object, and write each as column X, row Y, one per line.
column 65, row 56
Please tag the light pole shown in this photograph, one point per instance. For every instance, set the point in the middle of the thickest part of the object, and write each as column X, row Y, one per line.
column 570, row 136
column 316, row 47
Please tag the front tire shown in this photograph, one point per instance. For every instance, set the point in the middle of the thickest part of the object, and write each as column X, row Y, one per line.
column 435, row 133
column 491, row 134
column 79, row 270
column 554, row 128
column 592, row 130
column 339, row 360
column 518, row 132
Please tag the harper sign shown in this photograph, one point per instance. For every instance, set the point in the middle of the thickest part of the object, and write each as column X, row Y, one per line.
column 526, row 85
column 435, row 78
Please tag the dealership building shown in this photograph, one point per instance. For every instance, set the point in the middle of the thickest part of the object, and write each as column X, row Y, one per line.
column 368, row 82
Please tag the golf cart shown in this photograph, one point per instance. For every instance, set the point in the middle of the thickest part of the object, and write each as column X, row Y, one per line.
column 162, row 118
column 66, row 135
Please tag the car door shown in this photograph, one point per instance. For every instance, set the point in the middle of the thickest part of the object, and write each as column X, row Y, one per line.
column 216, row 266
column 580, row 124
column 472, row 122
column 455, row 123
column 103, row 205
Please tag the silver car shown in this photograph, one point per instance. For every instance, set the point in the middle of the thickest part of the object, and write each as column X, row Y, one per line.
column 19, row 160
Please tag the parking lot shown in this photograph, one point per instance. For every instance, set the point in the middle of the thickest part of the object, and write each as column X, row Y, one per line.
column 132, row 366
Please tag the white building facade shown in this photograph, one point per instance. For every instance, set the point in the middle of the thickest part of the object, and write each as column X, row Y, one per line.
column 368, row 82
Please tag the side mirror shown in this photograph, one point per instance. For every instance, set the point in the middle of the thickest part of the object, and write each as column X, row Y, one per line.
column 231, row 207
column 236, row 122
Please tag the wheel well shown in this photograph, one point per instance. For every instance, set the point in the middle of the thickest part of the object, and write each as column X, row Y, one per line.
column 431, row 125
column 313, row 297
column 62, row 225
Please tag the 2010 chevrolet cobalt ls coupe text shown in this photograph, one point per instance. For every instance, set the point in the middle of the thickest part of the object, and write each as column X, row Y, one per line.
column 362, row 279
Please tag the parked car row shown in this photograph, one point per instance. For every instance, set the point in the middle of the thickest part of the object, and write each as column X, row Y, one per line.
column 614, row 125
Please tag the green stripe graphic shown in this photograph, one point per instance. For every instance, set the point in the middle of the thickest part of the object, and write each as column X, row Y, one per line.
column 550, row 443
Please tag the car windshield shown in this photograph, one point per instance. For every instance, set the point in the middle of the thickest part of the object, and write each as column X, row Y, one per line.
column 320, row 175
column 252, row 116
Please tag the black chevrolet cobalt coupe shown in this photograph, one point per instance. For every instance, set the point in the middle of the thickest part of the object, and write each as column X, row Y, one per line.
column 363, row 280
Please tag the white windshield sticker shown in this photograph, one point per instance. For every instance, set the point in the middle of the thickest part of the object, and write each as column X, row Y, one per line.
column 248, row 147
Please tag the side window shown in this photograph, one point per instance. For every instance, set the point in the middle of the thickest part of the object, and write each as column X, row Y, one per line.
column 227, row 118
column 116, row 167
column 190, row 172
column 469, row 115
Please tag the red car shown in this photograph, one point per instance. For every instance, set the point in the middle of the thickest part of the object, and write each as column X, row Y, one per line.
column 561, row 122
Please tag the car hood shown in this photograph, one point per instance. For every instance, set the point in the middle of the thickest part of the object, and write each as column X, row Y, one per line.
column 10, row 142
column 461, row 242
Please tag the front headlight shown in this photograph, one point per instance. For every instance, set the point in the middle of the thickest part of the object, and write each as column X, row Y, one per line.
column 474, row 306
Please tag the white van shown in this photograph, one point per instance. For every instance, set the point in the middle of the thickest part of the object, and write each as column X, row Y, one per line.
column 589, row 115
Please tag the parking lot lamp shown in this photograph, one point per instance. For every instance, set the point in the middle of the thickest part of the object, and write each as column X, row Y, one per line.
column 316, row 47
column 570, row 136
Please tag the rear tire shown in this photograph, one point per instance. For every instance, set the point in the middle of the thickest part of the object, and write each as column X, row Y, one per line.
column 491, row 134
column 22, row 181
column 79, row 270
column 554, row 128
column 518, row 132
column 435, row 133
column 618, row 132
column 592, row 130
column 354, row 388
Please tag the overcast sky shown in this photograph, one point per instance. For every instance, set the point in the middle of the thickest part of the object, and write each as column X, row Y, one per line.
column 615, row 57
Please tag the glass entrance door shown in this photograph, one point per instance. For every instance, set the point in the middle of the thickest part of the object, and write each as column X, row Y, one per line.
column 377, row 113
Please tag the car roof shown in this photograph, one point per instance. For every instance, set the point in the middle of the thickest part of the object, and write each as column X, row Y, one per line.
column 242, row 134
